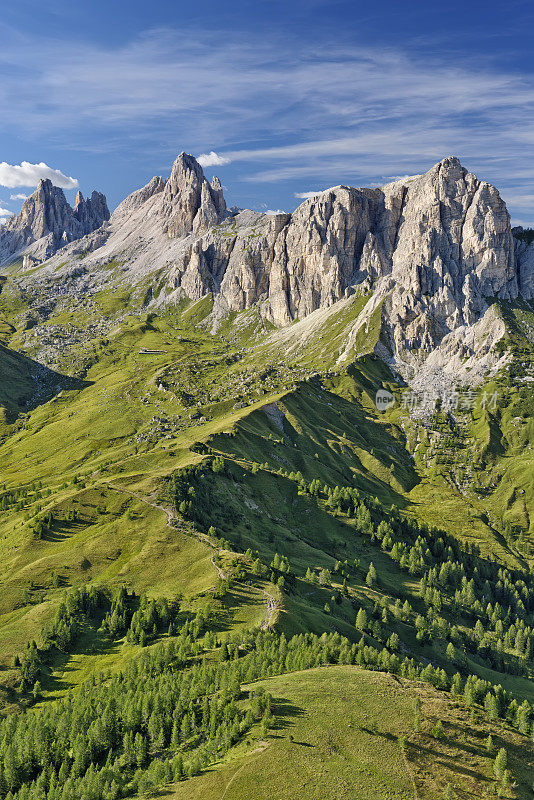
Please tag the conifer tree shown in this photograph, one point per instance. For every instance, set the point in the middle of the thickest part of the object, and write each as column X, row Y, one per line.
column 361, row 619
column 500, row 763
column 371, row 577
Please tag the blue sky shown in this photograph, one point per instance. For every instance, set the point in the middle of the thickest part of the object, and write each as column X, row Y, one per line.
column 291, row 97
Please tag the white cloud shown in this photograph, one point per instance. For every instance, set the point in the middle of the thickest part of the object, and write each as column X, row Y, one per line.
column 307, row 195
column 212, row 159
column 26, row 174
column 19, row 196
column 273, row 212
column 4, row 212
column 523, row 200
column 398, row 178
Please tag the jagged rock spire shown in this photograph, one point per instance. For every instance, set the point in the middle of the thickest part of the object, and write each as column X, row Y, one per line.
column 46, row 215
column 218, row 196
column 189, row 202
column 91, row 212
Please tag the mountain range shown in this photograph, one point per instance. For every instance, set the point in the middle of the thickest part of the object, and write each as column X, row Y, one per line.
column 267, row 494
column 47, row 222
column 431, row 250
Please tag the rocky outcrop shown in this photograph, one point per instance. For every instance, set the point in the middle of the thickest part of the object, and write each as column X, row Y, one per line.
column 91, row 212
column 154, row 187
column 189, row 203
column 438, row 244
column 524, row 246
column 47, row 222
column 431, row 249
column 218, row 196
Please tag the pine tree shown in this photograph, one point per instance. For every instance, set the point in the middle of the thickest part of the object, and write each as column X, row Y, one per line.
column 178, row 768
column 140, row 749
column 361, row 619
column 371, row 577
column 185, row 729
column 491, row 706
column 500, row 763
column 522, row 718
column 437, row 731
column 325, row 577
column 11, row 769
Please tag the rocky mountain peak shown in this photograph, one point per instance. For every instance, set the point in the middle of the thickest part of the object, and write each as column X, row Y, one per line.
column 46, row 222
column 189, row 203
column 43, row 212
column 430, row 250
column 218, row 196
column 136, row 199
column 92, row 212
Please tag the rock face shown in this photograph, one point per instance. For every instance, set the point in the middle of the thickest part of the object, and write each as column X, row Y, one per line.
column 525, row 261
column 92, row 212
column 431, row 249
column 440, row 242
column 189, row 203
column 47, row 222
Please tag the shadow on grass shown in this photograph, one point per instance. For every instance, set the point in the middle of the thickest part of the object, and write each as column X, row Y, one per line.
column 62, row 530
column 37, row 384
column 91, row 643
column 238, row 597
column 381, row 734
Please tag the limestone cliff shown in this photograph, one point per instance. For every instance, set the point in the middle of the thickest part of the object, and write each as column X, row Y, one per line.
column 431, row 249
column 47, row 222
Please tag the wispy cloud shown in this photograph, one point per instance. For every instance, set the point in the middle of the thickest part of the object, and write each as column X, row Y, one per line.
column 307, row 195
column 521, row 200
column 292, row 111
column 19, row 196
column 4, row 212
column 212, row 160
column 26, row 174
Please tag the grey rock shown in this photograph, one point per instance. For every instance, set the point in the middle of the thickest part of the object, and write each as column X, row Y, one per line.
column 525, row 264
column 47, row 222
column 430, row 251
column 218, row 196
column 189, row 203
column 443, row 239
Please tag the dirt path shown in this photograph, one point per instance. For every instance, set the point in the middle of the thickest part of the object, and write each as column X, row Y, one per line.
column 247, row 763
column 220, row 572
column 171, row 520
column 273, row 605
column 168, row 513
column 232, row 779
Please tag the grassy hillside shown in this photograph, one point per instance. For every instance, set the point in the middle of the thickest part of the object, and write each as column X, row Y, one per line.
column 245, row 481
column 341, row 732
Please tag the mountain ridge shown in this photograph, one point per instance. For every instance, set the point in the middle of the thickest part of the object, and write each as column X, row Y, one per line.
column 188, row 487
column 47, row 222
column 431, row 250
